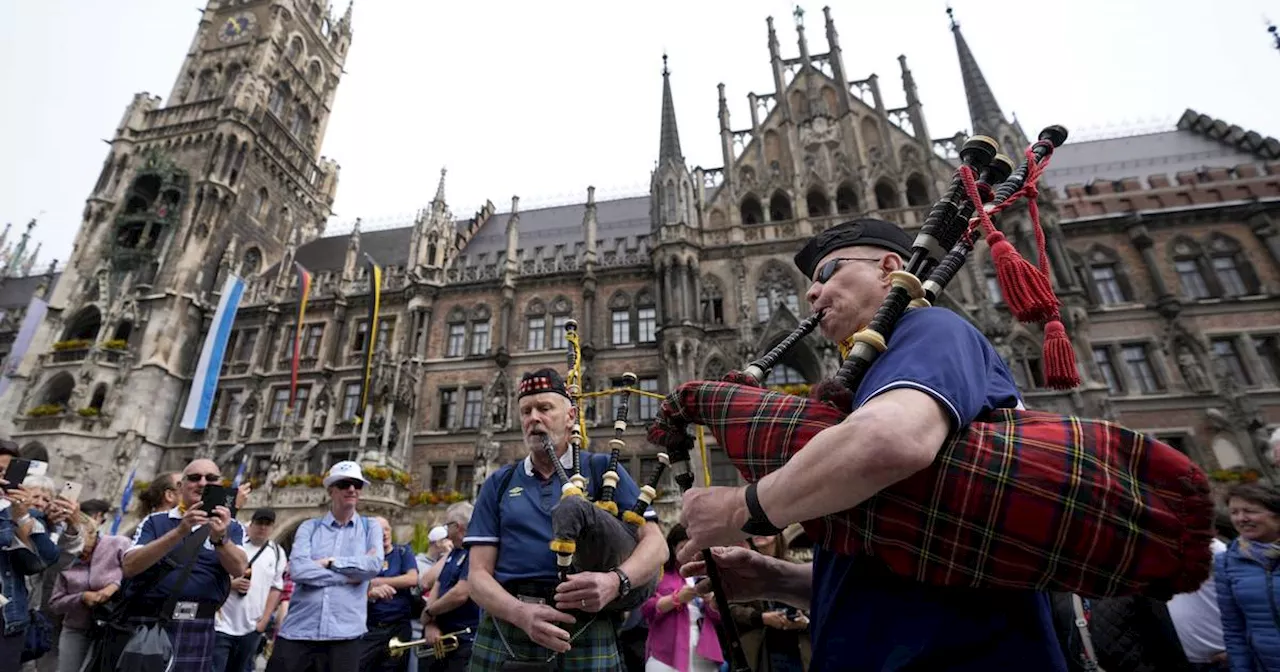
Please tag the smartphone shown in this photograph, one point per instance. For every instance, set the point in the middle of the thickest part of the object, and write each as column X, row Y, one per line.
column 38, row 468
column 71, row 491
column 17, row 472
column 217, row 495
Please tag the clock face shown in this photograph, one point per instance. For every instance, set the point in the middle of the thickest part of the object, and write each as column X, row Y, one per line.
column 236, row 27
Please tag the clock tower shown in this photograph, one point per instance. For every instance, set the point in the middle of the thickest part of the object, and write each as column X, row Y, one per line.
column 217, row 179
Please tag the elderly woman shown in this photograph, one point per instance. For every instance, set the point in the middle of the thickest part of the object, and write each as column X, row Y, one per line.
column 1247, row 590
column 91, row 579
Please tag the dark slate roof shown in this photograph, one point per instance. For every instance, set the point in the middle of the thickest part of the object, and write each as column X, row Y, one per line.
column 17, row 292
column 623, row 222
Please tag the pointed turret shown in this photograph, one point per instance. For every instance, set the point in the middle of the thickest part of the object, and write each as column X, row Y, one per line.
column 513, row 241
column 915, row 111
column 353, row 253
column 431, row 231
column 30, row 261
column 669, row 145
column 984, row 112
column 837, row 63
column 590, row 227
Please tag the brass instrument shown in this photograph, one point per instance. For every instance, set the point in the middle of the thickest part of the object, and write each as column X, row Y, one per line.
column 444, row 644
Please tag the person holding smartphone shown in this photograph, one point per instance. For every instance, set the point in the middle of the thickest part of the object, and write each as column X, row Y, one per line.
column 220, row 558
column 24, row 550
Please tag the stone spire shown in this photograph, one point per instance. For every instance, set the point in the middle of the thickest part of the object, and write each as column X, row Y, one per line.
column 984, row 111
column 669, row 145
column 30, row 261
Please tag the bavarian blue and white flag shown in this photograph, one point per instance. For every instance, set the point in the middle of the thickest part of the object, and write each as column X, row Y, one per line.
column 204, row 386
column 36, row 311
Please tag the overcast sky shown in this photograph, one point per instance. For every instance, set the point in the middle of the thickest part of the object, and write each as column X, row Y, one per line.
column 542, row 99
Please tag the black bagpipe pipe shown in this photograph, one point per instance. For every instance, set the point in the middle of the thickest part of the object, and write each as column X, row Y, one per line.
column 1018, row 499
column 596, row 536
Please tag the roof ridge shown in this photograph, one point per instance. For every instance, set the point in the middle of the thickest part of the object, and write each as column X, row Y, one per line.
column 1265, row 147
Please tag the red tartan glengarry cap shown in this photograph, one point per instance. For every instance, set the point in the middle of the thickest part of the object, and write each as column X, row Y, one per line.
column 540, row 381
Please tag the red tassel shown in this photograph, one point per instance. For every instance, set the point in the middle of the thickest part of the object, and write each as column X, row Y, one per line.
column 1060, row 370
column 1025, row 289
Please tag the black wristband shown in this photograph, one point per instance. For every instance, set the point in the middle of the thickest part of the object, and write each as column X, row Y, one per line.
column 758, row 523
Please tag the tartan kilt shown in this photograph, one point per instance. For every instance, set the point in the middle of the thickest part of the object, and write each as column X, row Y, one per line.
column 1019, row 499
column 594, row 647
column 192, row 642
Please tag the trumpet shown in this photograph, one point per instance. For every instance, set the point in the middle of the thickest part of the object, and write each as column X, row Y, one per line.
column 443, row 645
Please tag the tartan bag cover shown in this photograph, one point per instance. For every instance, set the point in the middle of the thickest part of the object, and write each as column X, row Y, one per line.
column 1019, row 499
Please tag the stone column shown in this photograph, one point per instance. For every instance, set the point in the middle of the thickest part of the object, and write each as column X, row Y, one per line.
column 682, row 291
column 1141, row 239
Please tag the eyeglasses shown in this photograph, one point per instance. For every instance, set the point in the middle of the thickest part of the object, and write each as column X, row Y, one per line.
column 829, row 269
column 343, row 485
column 207, row 478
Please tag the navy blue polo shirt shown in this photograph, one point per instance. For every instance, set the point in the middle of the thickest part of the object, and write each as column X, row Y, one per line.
column 893, row 623
column 524, row 541
column 400, row 607
column 208, row 582
column 457, row 567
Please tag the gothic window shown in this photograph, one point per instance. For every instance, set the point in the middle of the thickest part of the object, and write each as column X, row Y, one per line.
column 1026, row 367
column 799, row 105
column 817, row 203
column 295, row 49
column 480, row 330
column 1107, row 275
column 561, row 309
column 99, row 397
column 300, row 122
column 620, row 319
column 311, row 342
column 206, row 85
column 233, row 71
column 647, row 406
column 1188, row 262
column 886, row 195
column 775, row 287
column 314, row 74
column 1137, row 360
column 279, row 98
column 646, row 317
column 457, row 333
column 472, row 408
column 57, row 392
column 1233, row 271
column 1228, row 353
column 251, row 263
column 84, row 326
column 846, row 199
column 779, row 207
column 259, row 206
column 992, row 283
column 772, row 148
column 1268, row 350
column 783, row 374
column 712, row 301
column 351, row 401
column 536, row 318
column 279, row 402
column 752, row 211
column 917, row 191
column 669, row 196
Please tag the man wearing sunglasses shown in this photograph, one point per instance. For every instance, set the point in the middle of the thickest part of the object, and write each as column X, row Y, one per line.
column 160, row 548
column 938, row 374
column 332, row 562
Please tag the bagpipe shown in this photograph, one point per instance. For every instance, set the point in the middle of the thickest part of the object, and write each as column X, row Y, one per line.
column 1019, row 499
column 596, row 536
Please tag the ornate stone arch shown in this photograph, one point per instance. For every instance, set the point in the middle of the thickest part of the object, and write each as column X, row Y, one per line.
column 480, row 313
column 1191, row 267
column 456, row 315
column 619, row 301
column 1231, row 268
column 715, row 367
column 561, row 305
column 775, row 284
column 711, row 308
column 535, row 307
column 751, row 210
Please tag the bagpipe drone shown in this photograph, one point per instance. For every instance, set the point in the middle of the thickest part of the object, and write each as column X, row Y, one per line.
column 1017, row 500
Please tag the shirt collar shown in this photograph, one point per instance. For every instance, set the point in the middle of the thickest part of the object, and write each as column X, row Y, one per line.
column 566, row 461
column 330, row 521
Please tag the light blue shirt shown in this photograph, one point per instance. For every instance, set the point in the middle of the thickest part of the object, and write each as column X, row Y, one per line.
column 331, row 603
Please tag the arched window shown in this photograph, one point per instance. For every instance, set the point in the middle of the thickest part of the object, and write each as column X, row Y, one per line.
column 99, row 397
column 870, row 135
column 536, row 326
column 279, row 98
column 782, row 374
column 1107, row 275
column 886, row 195
column 1026, row 366
column 300, row 123
column 917, row 191
column 233, row 71
column 752, row 212
column 715, row 369
column 772, row 149
column 669, row 196
column 1231, row 268
column 817, row 203
column 712, row 303
column 1188, row 263
column 431, row 250
column 561, row 310
column 260, row 205
column 57, row 392
column 779, row 207
column 206, row 85
column 84, row 326
column 646, row 317
column 123, row 331
column 295, row 49
column 846, row 199
column 480, row 340
column 775, row 286
column 251, row 263
column 315, row 74
column 620, row 319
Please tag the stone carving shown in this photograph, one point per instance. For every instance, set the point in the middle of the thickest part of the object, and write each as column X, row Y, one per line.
column 320, row 412
column 248, row 411
column 819, row 130
column 498, row 405
column 1192, row 372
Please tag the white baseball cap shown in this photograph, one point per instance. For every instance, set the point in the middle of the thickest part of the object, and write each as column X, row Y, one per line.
column 343, row 471
column 437, row 534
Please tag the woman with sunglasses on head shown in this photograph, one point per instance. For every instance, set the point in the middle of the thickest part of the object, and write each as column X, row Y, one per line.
column 162, row 547
column 332, row 562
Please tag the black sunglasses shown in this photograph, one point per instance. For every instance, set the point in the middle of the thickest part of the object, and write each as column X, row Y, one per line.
column 343, row 485
column 208, row 478
column 829, row 269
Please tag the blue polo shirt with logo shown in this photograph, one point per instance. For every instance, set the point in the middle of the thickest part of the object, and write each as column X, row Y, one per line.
column 400, row 606
column 524, row 552
column 457, row 567
column 865, row 618
column 208, row 582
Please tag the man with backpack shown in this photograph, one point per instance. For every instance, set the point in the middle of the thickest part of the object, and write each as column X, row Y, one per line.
column 243, row 619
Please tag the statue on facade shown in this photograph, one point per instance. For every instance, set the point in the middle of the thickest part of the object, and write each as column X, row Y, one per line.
column 1192, row 372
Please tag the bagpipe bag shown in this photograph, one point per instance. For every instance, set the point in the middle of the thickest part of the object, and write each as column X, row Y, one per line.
column 1018, row 499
